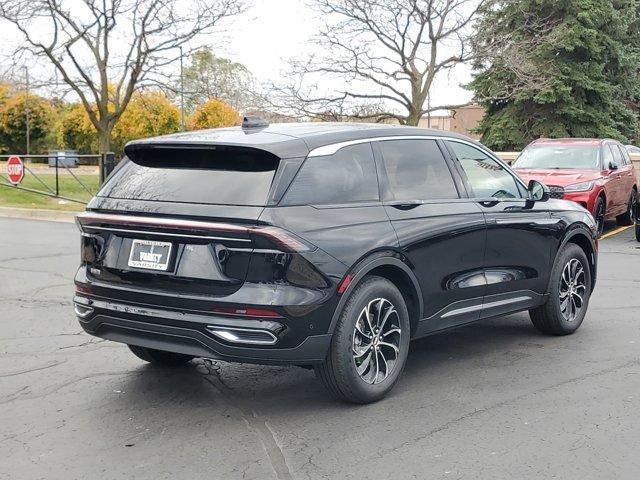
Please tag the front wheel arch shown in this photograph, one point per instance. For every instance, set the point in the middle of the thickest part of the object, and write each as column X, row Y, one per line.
column 582, row 237
column 601, row 195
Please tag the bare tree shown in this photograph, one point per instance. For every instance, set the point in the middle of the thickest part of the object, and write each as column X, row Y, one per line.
column 105, row 49
column 389, row 52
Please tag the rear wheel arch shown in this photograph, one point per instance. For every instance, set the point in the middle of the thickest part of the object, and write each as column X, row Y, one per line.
column 388, row 266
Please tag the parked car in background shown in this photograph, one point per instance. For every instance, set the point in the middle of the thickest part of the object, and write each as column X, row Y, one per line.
column 637, row 220
column 633, row 149
column 597, row 174
column 323, row 245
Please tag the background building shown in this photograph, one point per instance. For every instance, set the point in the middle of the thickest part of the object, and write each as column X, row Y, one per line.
column 461, row 120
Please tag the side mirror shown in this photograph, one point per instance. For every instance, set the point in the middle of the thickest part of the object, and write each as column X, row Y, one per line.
column 538, row 191
column 613, row 166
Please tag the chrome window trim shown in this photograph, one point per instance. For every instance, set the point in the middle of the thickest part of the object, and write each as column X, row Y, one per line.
column 334, row 147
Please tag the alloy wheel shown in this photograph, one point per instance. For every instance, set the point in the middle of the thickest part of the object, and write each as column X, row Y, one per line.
column 376, row 341
column 572, row 289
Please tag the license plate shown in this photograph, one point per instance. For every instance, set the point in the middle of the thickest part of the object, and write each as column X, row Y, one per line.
column 150, row 255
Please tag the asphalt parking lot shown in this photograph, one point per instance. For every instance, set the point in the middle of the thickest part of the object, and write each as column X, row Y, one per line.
column 495, row 400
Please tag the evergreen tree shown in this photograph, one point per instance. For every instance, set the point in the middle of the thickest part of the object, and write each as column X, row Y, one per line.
column 549, row 68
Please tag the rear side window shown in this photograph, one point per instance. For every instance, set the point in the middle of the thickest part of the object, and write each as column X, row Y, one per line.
column 221, row 175
column 617, row 155
column 416, row 170
column 626, row 160
column 347, row 176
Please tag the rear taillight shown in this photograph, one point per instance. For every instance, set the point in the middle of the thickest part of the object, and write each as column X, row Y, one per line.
column 262, row 236
column 282, row 239
column 82, row 288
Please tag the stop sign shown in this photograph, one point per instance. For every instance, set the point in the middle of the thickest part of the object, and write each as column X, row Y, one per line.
column 15, row 169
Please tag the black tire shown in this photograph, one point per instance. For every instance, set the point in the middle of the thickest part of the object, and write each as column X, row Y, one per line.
column 160, row 357
column 599, row 212
column 627, row 217
column 549, row 318
column 339, row 373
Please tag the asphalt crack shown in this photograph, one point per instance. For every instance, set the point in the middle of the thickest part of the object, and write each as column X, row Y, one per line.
column 18, row 395
column 34, row 369
column 91, row 341
column 257, row 424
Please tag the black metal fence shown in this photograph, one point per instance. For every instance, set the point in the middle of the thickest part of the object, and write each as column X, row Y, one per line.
column 59, row 163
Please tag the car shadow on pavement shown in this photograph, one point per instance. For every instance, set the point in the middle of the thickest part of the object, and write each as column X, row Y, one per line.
column 512, row 336
column 433, row 360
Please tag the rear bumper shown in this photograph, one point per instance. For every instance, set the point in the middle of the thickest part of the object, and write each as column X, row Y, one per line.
column 189, row 333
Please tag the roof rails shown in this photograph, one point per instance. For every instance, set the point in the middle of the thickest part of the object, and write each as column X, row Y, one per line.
column 254, row 122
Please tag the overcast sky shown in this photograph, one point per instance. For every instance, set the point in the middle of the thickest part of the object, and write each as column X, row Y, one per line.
column 274, row 30
column 268, row 34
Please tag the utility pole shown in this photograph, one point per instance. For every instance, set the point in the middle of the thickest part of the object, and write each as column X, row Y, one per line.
column 26, row 108
column 181, row 89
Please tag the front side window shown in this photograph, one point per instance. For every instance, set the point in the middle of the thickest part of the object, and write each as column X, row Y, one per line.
column 347, row 176
column 607, row 157
column 486, row 177
column 417, row 170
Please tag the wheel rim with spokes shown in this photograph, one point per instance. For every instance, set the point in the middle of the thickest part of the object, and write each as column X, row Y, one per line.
column 376, row 341
column 572, row 289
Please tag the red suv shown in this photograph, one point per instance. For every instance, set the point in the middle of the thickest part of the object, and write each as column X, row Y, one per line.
column 597, row 174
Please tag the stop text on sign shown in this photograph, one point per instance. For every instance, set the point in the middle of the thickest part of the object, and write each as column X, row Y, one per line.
column 15, row 169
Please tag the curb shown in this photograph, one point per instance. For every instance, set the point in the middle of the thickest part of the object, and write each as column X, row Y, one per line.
column 38, row 214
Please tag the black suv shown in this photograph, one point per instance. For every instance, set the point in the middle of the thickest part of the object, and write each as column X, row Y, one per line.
column 323, row 245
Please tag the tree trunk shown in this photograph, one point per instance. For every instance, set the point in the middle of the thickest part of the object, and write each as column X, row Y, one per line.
column 104, row 140
column 104, row 145
column 413, row 119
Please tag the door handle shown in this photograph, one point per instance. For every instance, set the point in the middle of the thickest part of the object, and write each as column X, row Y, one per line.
column 405, row 206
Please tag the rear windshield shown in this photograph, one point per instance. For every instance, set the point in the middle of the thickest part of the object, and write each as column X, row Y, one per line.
column 560, row 157
column 220, row 175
